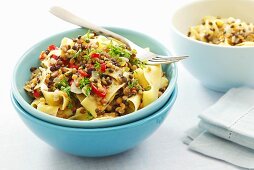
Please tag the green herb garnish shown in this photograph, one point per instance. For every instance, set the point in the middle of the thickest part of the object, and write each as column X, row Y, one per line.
column 67, row 90
column 118, row 51
column 97, row 65
column 86, row 57
column 87, row 35
column 62, row 83
column 77, row 53
column 132, row 83
column 70, row 105
column 89, row 116
column 138, row 62
column 87, row 89
column 83, row 82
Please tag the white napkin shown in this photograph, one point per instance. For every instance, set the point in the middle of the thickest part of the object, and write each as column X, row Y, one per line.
column 226, row 129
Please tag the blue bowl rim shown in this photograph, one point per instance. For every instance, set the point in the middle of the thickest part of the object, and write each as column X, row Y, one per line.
column 90, row 124
column 166, row 108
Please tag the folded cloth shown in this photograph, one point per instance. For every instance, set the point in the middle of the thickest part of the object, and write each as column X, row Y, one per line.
column 201, row 141
column 226, row 129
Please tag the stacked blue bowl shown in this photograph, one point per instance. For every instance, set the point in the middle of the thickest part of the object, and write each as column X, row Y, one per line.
column 92, row 138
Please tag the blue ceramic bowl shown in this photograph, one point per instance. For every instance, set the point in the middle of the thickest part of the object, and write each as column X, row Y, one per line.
column 98, row 141
column 30, row 58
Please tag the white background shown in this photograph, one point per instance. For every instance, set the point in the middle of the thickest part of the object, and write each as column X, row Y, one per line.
column 24, row 23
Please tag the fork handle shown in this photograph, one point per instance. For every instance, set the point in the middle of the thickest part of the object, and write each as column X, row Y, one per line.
column 71, row 18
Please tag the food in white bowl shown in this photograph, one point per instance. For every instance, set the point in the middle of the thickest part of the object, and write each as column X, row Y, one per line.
column 218, row 67
column 223, row 31
column 93, row 77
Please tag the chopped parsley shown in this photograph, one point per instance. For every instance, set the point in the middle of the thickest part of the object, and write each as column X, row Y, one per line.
column 77, row 53
column 83, row 82
column 67, row 90
column 89, row 116
column 70, row 105
column 132, row 83
column 87, row 35
column 118, row 51
column 64, row 86
column 97, row 65
column 62, row 83
column 138, row 62
column 87, row 89
column 88, row 51
column 86, row 57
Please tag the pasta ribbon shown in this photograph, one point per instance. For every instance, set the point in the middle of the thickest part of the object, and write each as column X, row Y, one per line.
column 150, row 76
column 66, row 113
column 149, row 96
column 81, row 114
column 115, row 74
column 164, row 82
column 56, row 98
column 42, row 78
column 107, row 116
column 40, row 105
column 35, row 103
column 51, row 110
column 90, row 104
column 66, row 41
column 112, row 90
column 80, row 97
column 134, row 103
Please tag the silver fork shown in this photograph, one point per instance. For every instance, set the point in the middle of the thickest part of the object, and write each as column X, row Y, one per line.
column 142, row 54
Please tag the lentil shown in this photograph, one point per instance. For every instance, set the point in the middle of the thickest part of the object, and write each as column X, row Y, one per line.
column 32, row 69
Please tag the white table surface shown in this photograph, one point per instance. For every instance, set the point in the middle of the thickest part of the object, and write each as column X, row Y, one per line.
column 24, row 23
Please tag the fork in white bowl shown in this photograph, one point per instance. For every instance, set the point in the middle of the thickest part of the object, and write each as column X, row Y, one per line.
column 142, row 54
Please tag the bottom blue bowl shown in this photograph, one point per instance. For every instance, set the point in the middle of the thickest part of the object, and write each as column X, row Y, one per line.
column 99, row 141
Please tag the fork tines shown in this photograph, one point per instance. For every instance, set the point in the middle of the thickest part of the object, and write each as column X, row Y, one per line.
column 162, row 59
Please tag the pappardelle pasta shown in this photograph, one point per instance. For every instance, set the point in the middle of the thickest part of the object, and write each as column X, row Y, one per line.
column 223, row 31
column 93, row 77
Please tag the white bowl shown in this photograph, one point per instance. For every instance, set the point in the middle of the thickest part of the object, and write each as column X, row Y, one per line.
column 217, row 67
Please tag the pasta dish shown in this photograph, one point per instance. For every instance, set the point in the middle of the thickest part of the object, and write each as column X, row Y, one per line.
column 93, row 77
column 223, row 31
